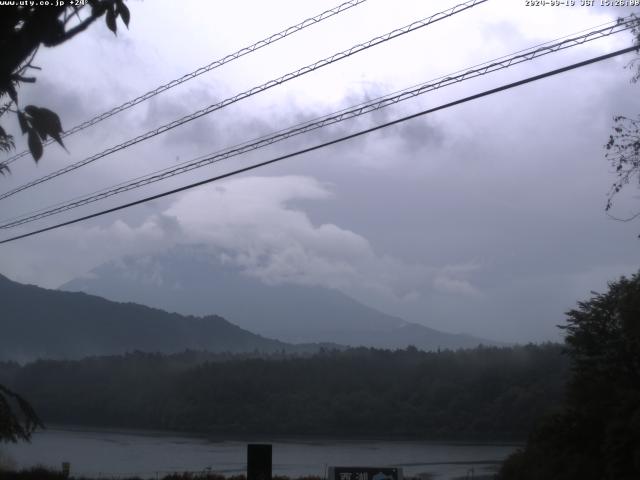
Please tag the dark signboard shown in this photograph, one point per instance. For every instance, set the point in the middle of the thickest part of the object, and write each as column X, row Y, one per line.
column 364, row 473
column 259, row 461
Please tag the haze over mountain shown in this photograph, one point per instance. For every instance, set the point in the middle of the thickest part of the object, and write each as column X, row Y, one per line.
column 194, row 280
column 41, row 323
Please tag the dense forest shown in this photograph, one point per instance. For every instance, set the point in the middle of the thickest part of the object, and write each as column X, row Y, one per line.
column 596, row 433
column 483, row 393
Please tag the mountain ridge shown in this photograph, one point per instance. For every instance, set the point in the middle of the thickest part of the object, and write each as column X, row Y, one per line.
column 192, row 280
column 44, row 323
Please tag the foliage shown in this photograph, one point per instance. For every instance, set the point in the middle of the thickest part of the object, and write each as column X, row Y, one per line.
column 597, row 435
column 635, row 63
column 40, row 473
column 23, row 28
column 623, row 146
column 36, row 473
column 484, row 393
column 623, row 152
column 16, row 427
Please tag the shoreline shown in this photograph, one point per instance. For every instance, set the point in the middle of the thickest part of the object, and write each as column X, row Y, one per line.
column 127, row 453
column 260, row 437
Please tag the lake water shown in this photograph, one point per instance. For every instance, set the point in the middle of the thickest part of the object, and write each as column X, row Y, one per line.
column 150, row 454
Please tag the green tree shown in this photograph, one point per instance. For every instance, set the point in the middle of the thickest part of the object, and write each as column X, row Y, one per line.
column 597, row 434
column 23, row 29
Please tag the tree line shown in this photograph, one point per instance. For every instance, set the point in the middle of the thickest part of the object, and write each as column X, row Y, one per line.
column 483, row 393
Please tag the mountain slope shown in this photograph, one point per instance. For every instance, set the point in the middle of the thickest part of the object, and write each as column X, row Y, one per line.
column 36, row 322
column 193, row 280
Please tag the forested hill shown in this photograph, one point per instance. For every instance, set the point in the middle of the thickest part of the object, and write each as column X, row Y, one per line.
column 486, row 393
column 40, row 323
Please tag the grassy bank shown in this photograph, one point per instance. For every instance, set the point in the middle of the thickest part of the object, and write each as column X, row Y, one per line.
column 47, row 474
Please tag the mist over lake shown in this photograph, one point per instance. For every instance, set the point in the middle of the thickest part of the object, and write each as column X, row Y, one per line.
column 111, row 453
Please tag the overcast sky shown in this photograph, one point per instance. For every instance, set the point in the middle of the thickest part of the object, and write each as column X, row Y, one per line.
column 486, row 218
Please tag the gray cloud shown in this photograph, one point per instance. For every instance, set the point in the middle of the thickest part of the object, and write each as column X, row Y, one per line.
column 487, row 217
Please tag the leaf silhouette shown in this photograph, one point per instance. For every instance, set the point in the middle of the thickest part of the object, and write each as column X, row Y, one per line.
column 35, row 144
column 111, row 20
column 123, row 11
column 46, row 122
column 22, row 120
column 51, row 123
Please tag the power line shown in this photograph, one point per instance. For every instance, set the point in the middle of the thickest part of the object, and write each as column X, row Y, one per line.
column 349, row 113
column 326, row 144
column 207, row 68
column 265, row 86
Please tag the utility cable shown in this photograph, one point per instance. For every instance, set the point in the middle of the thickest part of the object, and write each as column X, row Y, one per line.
column 326, row 144
column 349, row 113
column 207, row 68
column 265, row 86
